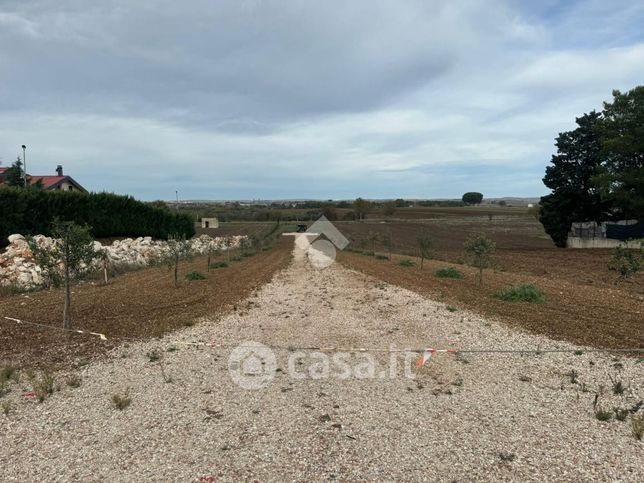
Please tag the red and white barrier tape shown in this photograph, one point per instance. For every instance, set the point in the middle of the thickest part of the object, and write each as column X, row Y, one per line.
column 18, row 321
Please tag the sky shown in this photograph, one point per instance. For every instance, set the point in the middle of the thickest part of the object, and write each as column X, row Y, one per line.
column 248, row 99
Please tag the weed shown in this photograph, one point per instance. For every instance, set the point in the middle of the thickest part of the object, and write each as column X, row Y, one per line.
column 451, row 309
column 154, row 355
column 368, row 253
column 382, row 257
column 637, row 425
column 121, row 401
column 603, row 415
column 621, row 414
column 44, row 387
column 522, row 293
column 6, row 408
column 74, row 381
column 578, row 353
column 195, row 275
column 218, row 265
column 9, row 373
column 448, row 272
column 406, row 262
column 618, row 386
column 172, row 348
column 525, row 379
column 573, row 376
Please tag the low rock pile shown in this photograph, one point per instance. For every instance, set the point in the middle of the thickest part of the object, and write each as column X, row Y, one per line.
column 18, row 269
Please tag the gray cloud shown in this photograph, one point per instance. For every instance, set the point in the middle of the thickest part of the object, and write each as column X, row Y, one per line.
column 251, row 98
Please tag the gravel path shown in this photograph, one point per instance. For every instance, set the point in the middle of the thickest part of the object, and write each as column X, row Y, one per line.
column 470, row 417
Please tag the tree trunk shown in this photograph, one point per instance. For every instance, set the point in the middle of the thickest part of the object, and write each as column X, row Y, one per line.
column 176, row 270
column 208, row 269
column 422, row 259
column 481, row 275
column 67, row 318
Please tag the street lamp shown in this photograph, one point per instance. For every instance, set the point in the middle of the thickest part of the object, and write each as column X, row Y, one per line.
column 24, row 162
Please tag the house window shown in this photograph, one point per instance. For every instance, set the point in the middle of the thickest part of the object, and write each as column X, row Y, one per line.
column 70, row 188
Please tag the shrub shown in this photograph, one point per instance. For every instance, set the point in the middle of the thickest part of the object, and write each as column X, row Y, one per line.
column 31, row 212
column 603, row 415
column 74, row 381
column 522, row 293
column 195, row 275
column 406, row 262
column 368, row 253
column 625, row 261
column 448, row 272
column 382, row 257
column 218, row 265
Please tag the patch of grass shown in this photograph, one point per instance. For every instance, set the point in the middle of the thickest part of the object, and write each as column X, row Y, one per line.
column 637, row 426
column 121, row 401
column 218, row 265
column 195, row 275
column 368, row 253
column 172, row 348
column 406, row 262
column 44, row 386
column 74, row 381
column 578, row 353
column 448, row 272
column 382, row 257
column 451, row 309
column 522, row 293
column 236, row 258
column 9, row 373
column 247, row 254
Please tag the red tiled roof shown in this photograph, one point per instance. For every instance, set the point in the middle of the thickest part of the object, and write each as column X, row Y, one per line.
column 2, row 170
column 47, row 181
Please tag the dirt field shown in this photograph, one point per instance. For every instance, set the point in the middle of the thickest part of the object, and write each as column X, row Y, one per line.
column 466, row 417
column 135, row 305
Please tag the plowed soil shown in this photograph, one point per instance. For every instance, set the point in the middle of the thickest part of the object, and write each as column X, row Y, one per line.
column 136, row 305
column 599, row 315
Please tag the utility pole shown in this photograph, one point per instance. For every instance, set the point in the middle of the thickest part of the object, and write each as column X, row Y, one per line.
column 24, row 163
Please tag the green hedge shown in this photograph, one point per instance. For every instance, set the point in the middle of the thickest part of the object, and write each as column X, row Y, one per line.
column 31, row 212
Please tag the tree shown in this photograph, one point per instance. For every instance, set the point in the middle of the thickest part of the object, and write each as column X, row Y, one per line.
column 387, row 242
column 329, row 211
column 626, row 261
column 400, row 203
column 479, row 249
column 389, row 208
column 177, row 249
column 361, row 207
column 574, row 197
column 212, row 251
column 373, row 238
column 620, row 178
column 424, row 248
column 71, row 254
column 14, row 175
column 472, row 198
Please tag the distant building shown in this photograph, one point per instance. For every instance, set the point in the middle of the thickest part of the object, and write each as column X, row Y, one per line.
column 51, row 183
column 209, row 223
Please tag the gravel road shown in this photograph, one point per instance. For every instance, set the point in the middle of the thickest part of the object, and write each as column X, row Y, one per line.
column 460, row 417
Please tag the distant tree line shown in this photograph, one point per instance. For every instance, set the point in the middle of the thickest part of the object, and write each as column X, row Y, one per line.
column 598, row 171
column 32, row 211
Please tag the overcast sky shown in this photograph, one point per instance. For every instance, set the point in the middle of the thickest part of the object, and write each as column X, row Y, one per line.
column 318, row 99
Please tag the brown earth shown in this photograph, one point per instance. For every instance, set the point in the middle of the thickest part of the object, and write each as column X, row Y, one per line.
column 521, row 247
column 136, row 305
column 598, row 316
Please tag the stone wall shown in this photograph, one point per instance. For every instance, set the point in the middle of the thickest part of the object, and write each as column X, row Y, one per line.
column 18, row 269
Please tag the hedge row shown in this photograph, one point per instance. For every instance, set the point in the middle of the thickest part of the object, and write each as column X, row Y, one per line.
column 31, row 211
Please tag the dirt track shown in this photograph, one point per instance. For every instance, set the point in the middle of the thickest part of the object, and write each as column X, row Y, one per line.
column 469, row 417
